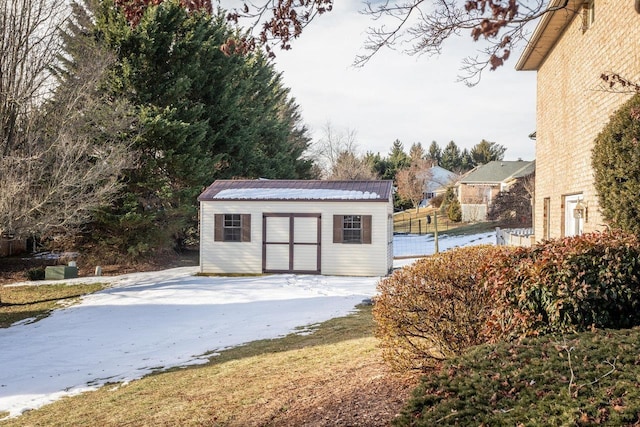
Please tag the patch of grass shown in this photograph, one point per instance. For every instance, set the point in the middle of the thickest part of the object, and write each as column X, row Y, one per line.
column 270, row 382
column 416, row 223
column 465, row 229
column 590, row 378
column 359, row 324
column 25, row 302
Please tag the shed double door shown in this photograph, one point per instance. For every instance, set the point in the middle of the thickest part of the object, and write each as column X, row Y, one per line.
column 291, row 243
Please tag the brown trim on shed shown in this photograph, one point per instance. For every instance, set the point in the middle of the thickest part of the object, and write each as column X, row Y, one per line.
column 218, row 234
column 337, row 228
column 218, row 227
column 291, row 242
column 366, row 229
column 245, row 223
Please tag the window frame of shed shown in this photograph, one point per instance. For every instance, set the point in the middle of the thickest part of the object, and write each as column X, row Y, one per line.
column 352, row 229
column 232, row 227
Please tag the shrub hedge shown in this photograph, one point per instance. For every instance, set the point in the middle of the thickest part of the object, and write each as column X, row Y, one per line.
column 564, row 285
column 616, row 166
column 586, row 379
column 437, row 307
column 433, row 309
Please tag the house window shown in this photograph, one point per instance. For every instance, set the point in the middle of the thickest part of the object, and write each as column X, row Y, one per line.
column 588, row 15
column 232, row 228
column 352, row 229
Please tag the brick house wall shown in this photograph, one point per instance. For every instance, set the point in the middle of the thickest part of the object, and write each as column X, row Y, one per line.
column 573, row 104
column 480, row 193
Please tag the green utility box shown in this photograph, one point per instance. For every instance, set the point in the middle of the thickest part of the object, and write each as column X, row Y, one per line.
column 59, row 272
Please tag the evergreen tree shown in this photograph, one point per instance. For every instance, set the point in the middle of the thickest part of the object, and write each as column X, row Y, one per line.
column 451, row 157
column 616, row 163
column 466, row 161
column 416, row 152
column 449, row 197
column 435, row 153
column 397, row 157
column 454, row 211
column 485, row 152
column 376, row 163
column 396, row 161
column 202, row 115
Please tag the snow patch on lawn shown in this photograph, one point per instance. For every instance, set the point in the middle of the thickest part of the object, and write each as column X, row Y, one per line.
column 156, row 320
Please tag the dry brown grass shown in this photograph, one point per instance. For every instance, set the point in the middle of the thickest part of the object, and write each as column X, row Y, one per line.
column 334, row 376
column 26, row 302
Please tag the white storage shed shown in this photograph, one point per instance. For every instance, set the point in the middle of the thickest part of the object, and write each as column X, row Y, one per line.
column 294, row 226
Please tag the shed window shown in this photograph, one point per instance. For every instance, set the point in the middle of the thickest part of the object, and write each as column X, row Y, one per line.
column 232, row 227
column 352, row 229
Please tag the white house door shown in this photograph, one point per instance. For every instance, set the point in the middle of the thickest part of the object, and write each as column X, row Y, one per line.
column 572, row 223
column 291, row 243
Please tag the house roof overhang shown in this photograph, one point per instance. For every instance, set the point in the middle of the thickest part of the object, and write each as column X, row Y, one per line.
column 551, row 26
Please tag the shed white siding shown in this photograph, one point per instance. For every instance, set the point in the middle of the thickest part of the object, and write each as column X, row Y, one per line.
column 354, row 259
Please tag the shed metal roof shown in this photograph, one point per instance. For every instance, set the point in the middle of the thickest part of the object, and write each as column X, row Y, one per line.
column 304, row 190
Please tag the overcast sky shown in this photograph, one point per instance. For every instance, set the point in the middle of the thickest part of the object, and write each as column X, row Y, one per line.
column 396, row 96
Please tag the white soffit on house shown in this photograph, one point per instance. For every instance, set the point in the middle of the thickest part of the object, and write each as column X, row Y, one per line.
column 551, row 26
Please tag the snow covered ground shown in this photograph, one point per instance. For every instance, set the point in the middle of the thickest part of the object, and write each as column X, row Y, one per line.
column 415, row 245
column 156, row 320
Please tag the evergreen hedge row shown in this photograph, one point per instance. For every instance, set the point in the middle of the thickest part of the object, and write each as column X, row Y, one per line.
column 616, row 165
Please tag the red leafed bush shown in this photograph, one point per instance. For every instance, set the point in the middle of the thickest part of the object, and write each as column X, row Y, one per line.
column 433, row 309
column 565, row 285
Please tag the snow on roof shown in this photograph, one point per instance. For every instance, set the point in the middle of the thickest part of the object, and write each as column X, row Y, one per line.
column 294, row 194
column 298, row 190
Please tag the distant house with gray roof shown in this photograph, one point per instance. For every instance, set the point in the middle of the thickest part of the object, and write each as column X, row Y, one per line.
column 477, row 189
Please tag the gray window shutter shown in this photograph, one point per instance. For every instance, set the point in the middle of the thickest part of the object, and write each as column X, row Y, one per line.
column 337, row 228
column 218, row 234
column 366, row 229
column 246, row 227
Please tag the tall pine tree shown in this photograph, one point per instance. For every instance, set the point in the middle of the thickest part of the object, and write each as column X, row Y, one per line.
column 202, row 115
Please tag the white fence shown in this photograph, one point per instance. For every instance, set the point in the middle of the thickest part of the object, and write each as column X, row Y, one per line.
column 514, row 236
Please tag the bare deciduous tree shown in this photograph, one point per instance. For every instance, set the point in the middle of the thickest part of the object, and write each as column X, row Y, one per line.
column 411, row 181
column 29, row 44
column 351, row 167
column 417, row 26
column 64, row 158
column 336, row 152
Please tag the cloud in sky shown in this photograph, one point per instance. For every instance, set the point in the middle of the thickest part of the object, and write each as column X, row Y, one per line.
column 397, row 96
